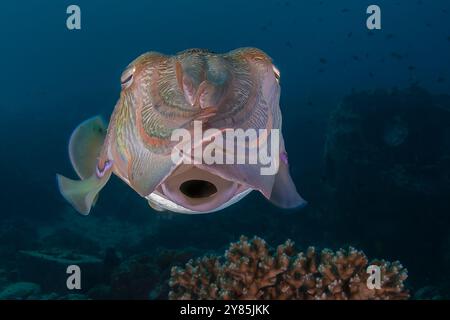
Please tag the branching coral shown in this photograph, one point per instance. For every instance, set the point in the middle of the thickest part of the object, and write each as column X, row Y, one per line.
column 251, row 270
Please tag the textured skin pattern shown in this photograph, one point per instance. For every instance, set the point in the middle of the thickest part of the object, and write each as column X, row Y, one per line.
column 238, row 89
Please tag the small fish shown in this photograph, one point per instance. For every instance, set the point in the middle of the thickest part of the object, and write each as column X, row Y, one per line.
column 356, row 58
column 323, row 61
column 411, row 68
column 440, row 79
column 389, row 36
column 289, row 44
column 236, row 90
column 349, row 35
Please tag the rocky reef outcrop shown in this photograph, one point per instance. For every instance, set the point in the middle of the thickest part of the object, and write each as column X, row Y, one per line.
column 142, row 276
column 20, row 291
column 41, row 267
column 250, row 269
column 386, row 177
column 386, row 150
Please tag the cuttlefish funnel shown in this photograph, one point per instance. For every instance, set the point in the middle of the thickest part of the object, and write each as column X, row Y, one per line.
column 198, row 190
column 238, row 91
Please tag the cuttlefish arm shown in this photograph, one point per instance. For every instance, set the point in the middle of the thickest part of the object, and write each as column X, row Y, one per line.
column 85, row 146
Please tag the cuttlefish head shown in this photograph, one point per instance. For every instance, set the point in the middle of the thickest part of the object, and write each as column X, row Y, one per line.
column 204, row 81
column 197, row 89
column 192, row 81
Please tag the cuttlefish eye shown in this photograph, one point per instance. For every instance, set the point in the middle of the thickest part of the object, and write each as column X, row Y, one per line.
column 127, row 77
column 277, row 73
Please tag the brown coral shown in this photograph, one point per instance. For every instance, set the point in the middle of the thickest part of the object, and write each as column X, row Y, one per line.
column 251, row 270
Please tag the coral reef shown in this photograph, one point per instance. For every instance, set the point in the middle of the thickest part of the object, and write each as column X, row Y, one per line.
column 251, row 270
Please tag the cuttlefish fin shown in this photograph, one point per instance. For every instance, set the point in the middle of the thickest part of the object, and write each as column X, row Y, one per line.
column 81, row 194
column 85, row 146
column 284, row 193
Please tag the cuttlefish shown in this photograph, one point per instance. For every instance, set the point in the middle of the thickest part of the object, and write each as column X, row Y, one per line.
column 160, row 94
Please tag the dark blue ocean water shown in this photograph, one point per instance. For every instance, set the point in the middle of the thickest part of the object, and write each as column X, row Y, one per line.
column 54, row 78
